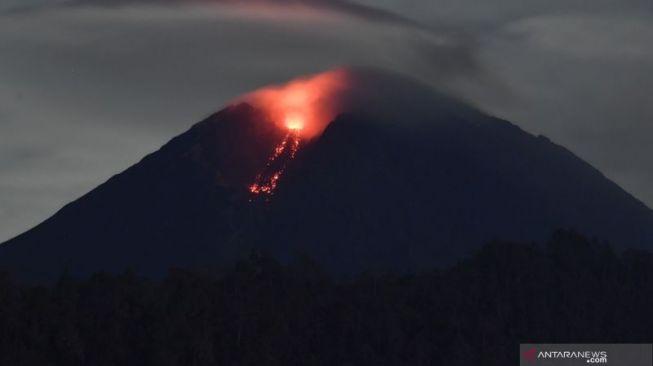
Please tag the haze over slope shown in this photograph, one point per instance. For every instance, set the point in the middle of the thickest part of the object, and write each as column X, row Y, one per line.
column 399, row 177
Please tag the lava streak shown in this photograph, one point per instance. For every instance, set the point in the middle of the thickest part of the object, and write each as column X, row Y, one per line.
column 266, row 182
column 302, row 108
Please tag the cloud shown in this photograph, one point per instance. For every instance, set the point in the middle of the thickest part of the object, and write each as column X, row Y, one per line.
column 93, row 89
column 343, row 7
column 585, row 82
column 589, row 37
column 485, row 15
column 90, row 87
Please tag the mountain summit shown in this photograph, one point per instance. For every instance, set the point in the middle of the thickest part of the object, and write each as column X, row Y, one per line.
column 359, row 169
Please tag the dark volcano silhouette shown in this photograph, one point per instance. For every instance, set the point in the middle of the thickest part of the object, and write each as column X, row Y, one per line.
column 365, row 195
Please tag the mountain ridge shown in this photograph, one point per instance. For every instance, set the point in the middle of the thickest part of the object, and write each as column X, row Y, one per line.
column 416, row 191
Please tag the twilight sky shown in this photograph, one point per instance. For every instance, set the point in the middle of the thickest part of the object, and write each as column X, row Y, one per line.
column 88, row 87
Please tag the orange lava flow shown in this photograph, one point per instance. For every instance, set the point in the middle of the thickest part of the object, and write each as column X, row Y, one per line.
column 303, row 108
column 266, row 182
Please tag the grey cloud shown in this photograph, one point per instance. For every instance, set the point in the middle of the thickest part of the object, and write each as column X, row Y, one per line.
column 585, row 82
column 484, row 14
column 96, row 88
column 352, row 8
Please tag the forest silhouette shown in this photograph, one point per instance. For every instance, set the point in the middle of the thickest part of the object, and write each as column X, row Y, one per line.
column 262, row 312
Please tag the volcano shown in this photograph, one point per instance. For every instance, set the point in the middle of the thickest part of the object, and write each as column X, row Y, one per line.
column 362, row 171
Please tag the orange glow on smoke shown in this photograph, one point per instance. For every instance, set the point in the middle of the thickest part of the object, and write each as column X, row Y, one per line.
column 304, row 105
column 302, row 108
column 295, row 122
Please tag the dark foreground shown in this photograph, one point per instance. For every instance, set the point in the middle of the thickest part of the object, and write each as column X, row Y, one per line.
column 264, row 313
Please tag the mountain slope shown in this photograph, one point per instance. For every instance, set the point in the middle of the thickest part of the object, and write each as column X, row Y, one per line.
column 404, row 188
column 377, row 198
column 170, row 209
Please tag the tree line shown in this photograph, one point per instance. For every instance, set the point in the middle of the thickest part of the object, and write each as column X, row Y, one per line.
column 262, row 312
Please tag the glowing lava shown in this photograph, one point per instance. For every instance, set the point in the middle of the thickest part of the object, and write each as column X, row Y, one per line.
column 266, row 182
column 303, row 108
column 295, row 123
column 305, row 105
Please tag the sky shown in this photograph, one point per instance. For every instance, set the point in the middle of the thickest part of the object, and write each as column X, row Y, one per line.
column 88, row 87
